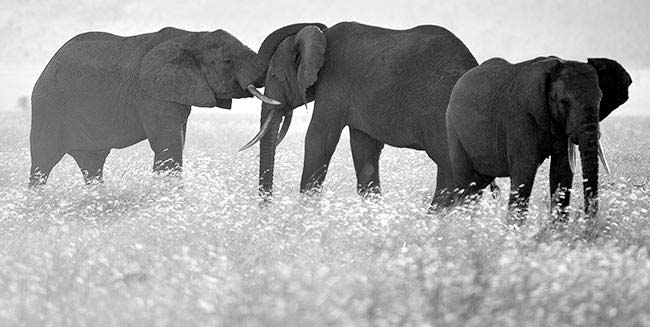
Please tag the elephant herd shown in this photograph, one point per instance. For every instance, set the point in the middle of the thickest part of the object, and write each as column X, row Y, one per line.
column 419, row 88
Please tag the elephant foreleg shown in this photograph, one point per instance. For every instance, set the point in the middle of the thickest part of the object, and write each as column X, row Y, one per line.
column 561, row 180
column 184, row 133
column 365, row 154
column 322, row 137
column 91, row 164
column 165, row 130
column 168, row 154
column 521, row 185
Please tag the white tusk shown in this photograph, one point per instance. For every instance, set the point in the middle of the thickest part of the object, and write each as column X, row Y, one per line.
column 602, row 157
column 572, row 156
column 286, row 122
column 262, row 132
column 251, row 88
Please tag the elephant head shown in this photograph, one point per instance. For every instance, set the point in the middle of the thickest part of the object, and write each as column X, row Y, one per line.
column 570, row 99
column 203, row 69
column 288, row 60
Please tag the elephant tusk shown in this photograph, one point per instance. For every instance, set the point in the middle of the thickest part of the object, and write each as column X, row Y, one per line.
column 285, row 127
column 603, row 159
column 251, row 88
column 572, row 156
column 262, row 132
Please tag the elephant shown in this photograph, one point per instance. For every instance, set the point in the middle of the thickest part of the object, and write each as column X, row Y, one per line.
column 504, row 120
column 101, row 91
column 388, row 86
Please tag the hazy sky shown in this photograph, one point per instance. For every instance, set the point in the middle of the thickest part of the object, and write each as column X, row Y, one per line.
column 32, row 30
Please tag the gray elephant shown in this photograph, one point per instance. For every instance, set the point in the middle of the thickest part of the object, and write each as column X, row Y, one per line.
column 505, row 119
column 101, row 91
column 388, row 86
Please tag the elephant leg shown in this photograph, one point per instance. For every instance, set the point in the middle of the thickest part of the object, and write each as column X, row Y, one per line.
column 561, row 180
column 46, row 152
column 365, row 154
column 184, row 133
column 322, row 137
column 91, row 164
column 42, row 164
column 468, row 182
column 164, row 129
column 521, row 185
column 443, row 196
column 168, row 152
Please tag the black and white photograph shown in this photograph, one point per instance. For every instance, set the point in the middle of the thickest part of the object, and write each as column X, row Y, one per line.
column 292, row 163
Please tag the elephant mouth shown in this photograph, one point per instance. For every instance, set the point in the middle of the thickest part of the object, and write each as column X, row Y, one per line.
column 234, row 94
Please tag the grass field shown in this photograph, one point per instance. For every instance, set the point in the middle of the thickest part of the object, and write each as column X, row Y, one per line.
column 141, row 250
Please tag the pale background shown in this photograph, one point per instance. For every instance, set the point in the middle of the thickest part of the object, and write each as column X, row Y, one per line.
column 31, row 31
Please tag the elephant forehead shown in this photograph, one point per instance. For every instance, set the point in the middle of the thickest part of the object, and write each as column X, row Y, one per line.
column 578, row 84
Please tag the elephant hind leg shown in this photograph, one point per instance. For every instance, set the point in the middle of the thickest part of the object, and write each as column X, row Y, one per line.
column 365, row 154
column 91, row 164
column 468, row 182
column 42, row 164
column 46, row 151
column 443, row 195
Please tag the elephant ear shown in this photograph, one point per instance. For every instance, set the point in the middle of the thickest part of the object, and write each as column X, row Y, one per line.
column 614, row 82
column 535, row 85
column 170, row 72
column 310, row 44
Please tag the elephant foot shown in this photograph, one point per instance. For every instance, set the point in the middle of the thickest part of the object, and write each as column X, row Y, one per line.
column 516, row 217
column 266, row 198
column 369, row 192
column 312, row 191
column 37, row 178
column 495, row 190
column 35, row 184
column 265, row 202
column 94, row 181
column 443, row 199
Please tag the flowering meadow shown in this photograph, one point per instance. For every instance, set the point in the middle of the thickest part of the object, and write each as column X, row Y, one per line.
column 200, row 250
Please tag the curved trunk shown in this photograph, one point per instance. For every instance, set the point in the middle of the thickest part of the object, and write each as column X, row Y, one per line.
column 267, row 152
column 588, row 146
column 256, row 72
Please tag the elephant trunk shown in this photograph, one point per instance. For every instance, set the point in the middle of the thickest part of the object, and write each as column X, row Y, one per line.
column 256, row 71
column 588, row 146
column 268, row 144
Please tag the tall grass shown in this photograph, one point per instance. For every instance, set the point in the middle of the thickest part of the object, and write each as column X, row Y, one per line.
column 141, row 250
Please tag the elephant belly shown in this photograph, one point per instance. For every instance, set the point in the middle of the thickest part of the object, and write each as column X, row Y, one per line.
column 92, row 127
column 392, row 132
column 410, row 126
column 490, row 165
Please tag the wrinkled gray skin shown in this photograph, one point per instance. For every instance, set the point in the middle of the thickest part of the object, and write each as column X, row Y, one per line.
column 101, row 91
column 388, row 86
column 505, row 119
